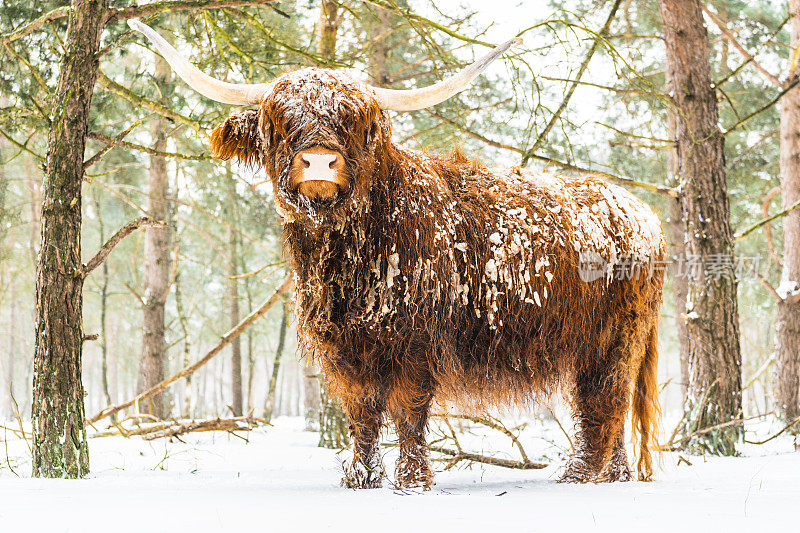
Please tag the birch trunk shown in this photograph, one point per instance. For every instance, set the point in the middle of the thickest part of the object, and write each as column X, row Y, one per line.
column 156, row 269
column 787, row 323
column 269, row 404
column 676, row 232
column 232, row 296
column 103, row 311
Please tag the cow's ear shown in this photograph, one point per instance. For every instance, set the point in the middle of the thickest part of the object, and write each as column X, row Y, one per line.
column 238, row 137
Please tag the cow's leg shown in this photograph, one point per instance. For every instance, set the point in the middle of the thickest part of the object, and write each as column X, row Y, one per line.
column 600, row 403
column 413, row 467
column 618, row 468
column 366, row 469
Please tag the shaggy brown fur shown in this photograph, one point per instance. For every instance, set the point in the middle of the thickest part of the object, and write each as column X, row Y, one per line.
column 434, row 276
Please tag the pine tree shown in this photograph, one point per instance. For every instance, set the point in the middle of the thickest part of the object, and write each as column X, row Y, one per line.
column 715, row 379
column 60, row 448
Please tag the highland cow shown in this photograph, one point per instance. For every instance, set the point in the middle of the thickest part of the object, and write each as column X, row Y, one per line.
column 421, row 276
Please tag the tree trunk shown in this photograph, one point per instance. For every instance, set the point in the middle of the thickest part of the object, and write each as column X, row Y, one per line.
column 312, row 396
column 156, row 269
column 8, row 382
column 676, row 232
column 251, row 363
column 329, row 22
column 715, row 380
column 8, row 388
column 333, row 425
column 269, row 404
column 35, row 187
column 378, row 34
column 183, row 321
column 787, row 323
column 59, row 438
column 103, row 310
column 186, row 409
column 232, row 295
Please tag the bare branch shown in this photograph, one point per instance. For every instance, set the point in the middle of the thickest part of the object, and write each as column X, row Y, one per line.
column 474, row 134
column 672, row 446
column 750, row 229
column 226, row 339
column 612, row 177
column 768, row 41
column 560, row 164
column 116, row 141
column 742, row 50
column 618, row 90
column 581, row 70
column 767, row 285
column 145, row 103
column 776, row 435
column 109, row 145
column 788, row 87
column 123, row 232
column 768, row 229
column 407, row 14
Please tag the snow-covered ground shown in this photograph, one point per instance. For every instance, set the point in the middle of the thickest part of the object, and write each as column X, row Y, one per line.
column 279, row 480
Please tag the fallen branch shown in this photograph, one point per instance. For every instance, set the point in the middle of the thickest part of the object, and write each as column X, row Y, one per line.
column 226, row 339
column 173, row 428
column 115, row 239
column 494, row 424
column 673, row 444
column 776, row 435
column 230, row 425
column 477, row 458
column 459, row 454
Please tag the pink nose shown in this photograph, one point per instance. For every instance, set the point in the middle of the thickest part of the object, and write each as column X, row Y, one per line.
column 319, row 172
column 319, row 166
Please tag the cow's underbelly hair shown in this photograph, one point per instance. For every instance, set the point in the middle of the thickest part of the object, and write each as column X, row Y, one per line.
column 465, row 360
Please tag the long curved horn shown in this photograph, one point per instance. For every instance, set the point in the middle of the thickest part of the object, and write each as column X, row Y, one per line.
column 227, row 93
column 413, row 99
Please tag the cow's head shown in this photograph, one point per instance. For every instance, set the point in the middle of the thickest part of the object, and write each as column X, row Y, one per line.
column 319, row 133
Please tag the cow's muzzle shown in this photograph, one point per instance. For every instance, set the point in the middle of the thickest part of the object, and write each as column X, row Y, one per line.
column 318, row 172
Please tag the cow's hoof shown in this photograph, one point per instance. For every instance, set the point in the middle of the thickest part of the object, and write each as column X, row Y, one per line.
column 577, row 473
column 617, row 472
column 411, row 473
column 359, row 476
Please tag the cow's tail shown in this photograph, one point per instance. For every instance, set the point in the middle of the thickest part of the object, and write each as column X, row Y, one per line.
column 646, row 409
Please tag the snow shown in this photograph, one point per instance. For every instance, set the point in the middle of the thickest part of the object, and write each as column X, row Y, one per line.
column 279, row 480
column 788, row 288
